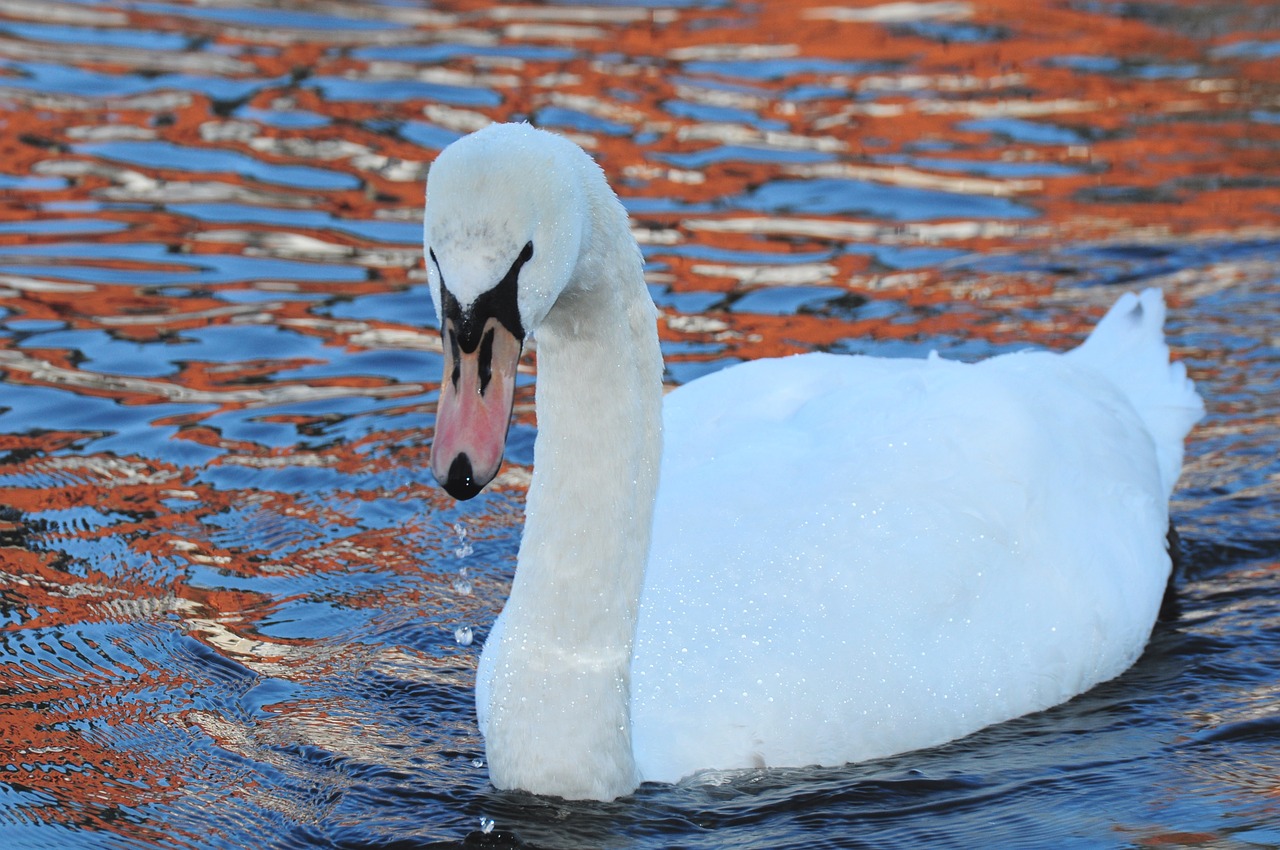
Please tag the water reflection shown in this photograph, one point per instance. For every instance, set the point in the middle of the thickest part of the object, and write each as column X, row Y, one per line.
column 231, row 595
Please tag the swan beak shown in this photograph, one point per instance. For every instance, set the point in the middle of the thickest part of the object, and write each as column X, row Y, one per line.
column 474, row 409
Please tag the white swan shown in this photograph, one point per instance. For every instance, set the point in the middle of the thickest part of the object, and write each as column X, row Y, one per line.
column 847, row 557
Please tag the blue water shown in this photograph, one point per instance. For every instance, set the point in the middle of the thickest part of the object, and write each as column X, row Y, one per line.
column 234, row 605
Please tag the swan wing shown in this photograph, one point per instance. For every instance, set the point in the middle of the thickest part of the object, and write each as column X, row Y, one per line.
column 854, row 557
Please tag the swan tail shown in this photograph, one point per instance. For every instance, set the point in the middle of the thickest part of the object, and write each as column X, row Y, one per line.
column 1129, row 348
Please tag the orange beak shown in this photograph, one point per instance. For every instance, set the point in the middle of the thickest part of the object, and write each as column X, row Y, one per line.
column 474, row 408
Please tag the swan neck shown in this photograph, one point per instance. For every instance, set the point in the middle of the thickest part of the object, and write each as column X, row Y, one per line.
column 559, row 712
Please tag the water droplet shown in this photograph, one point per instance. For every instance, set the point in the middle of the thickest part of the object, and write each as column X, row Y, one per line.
column 462, row 587
column 486, row 825
column 477, row 763
column 463, row 635
column 463, row 549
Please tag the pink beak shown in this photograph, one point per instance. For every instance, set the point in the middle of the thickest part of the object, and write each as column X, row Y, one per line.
column 474, row 409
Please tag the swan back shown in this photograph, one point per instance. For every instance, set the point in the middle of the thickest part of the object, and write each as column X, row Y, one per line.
column 853, row 556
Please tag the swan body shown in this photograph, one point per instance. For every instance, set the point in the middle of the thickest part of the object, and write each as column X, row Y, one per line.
column 816, row 559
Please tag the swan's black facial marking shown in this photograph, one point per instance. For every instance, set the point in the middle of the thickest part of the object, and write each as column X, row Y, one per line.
column 455, row 358
column 465, row 328
column 485, row 360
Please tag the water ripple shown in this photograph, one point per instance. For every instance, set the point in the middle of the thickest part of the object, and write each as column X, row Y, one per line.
column 230, row 592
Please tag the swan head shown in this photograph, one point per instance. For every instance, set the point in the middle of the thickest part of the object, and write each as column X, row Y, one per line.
column 505, row 221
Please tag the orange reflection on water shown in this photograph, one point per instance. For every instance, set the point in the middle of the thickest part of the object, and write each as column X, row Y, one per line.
column 1055, row 126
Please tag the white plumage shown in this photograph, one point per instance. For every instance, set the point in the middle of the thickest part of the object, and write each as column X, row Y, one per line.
column 850, row 556
column 855, row 556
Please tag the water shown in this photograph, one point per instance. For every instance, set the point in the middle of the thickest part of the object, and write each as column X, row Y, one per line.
column 237, row 612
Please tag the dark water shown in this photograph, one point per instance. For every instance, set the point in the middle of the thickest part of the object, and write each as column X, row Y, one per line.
column 237, row 613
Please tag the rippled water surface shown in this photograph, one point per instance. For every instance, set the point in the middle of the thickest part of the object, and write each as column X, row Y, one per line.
column 237, row 613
